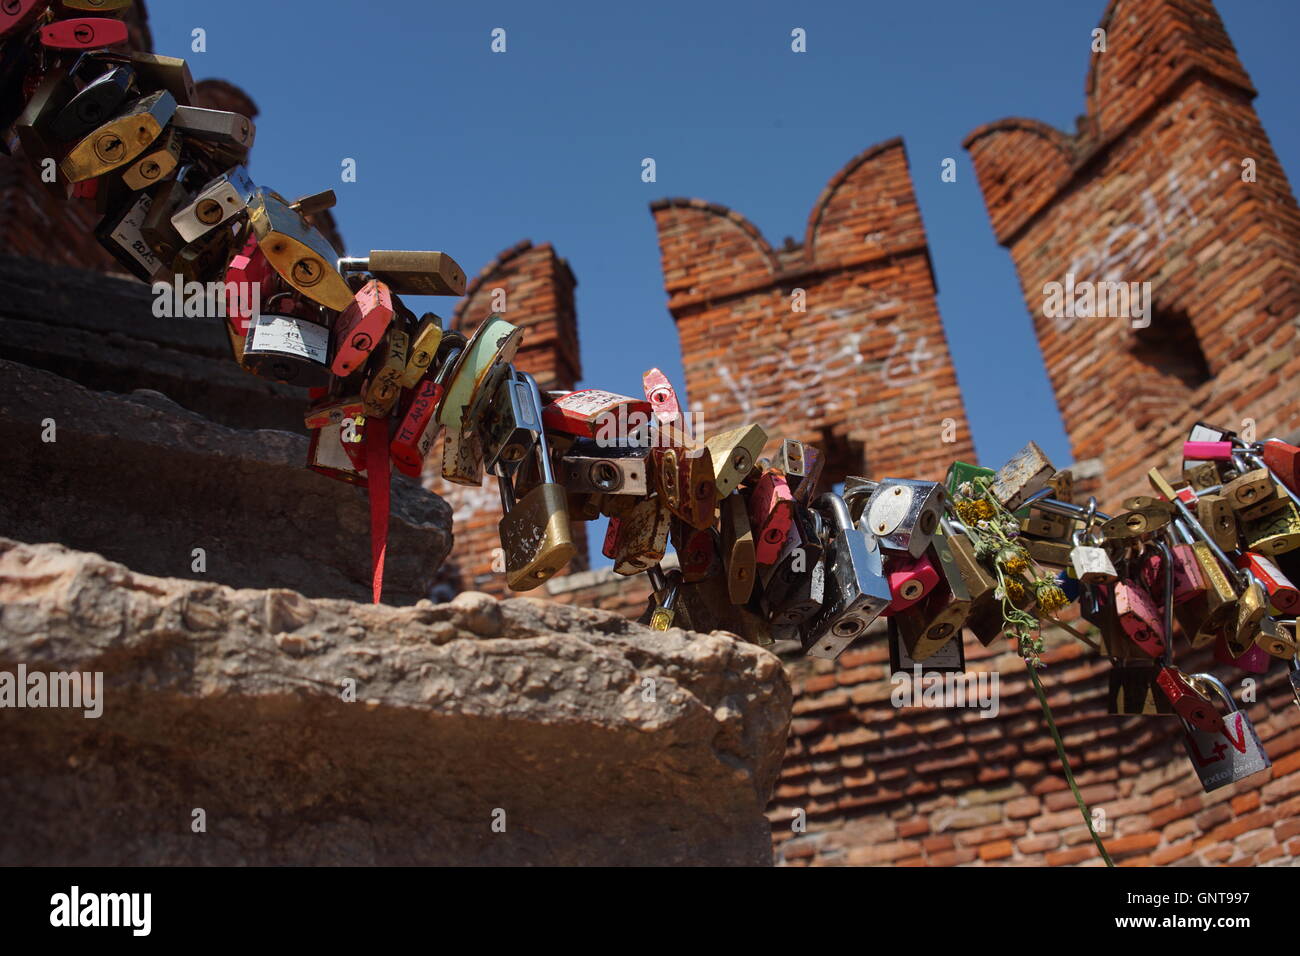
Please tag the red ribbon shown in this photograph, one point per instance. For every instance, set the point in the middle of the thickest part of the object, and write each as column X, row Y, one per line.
column 377, row 478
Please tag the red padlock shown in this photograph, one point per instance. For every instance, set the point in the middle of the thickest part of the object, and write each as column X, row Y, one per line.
column 361, row 326
column 247, row 276
column 1140, row 618
column 354, row 446
column 1284, row 461
column 610, row 546
column 1207, row 450
column 1191, row 705
column 1282, row 594
column 594, row 413
column 910, row 580
column 695, row 551
column 771, row 512
column 416, row 433
column 16, row 15
column 83, row 33
column 1255, row 660
column 662, row 397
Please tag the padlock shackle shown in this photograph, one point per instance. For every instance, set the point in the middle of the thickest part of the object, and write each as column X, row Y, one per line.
column 1043, row 501
column 838, row 508
column 1218, row 686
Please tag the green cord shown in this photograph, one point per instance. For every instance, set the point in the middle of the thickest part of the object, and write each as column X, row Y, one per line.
column 1065, row 764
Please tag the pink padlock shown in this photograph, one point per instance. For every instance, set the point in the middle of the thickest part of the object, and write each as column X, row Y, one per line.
column 1255, row 660
column 1189, row 581
column 1140, row 618
column 910, row 579
column 771, row 512
column 1207, row 450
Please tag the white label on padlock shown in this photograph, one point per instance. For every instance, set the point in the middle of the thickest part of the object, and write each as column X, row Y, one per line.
column 329, row 450
column 127, row 234
column 291, row 336
column 590, row 401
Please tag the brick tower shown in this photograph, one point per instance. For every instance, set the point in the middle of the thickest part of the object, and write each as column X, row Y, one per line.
column 836, row 340
column 531, row 287
column 1169, row 180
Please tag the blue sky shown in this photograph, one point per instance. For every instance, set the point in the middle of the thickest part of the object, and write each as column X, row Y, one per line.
column 468, row 151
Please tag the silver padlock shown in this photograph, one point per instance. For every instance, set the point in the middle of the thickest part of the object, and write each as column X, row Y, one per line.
column 1092, row 565
column 588, row 467
column 511, row 425
column 1228, row 756
column 903, row 514
column 856, row 587
column 219, row 201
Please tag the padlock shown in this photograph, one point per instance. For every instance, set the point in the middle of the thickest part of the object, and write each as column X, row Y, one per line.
column 662, row 397
column 948, row 657
column 424, row 346
column 1091, row 564
column 361, row 326
column 642, row 536
column 1207, row 451
column 98, row 6
column 1189, row 582
column 1283, row 460
column 1049, row 527
column 462, row 457
column 856, row 588
column 36, row 127
column 154, row 72
column 807, row 489
column 1025, row 474
column 383, row 386
column 985, row 619
column 798, row 602
column 734, row 453
column 1252, row 606
column 510, row 427
column 1254, row 660
column 1249, row 489
column 325, row 454
column 156, row 164
column 665, row 610
column 1054, row 553
column 331, row 409
column 588, row 468
column 1062, row 485
column 297, row 251
column 286, row 342
column 594, row 413
column 535, row 531
column 231, row 130
column 246, row 277
column 1216, row 517
column 220, row 200
column 121, row 140
column 738, row 552
column 771, row 513
column 120, row 233
column 18, row 15
column 1133, row 689
column 419, row 426
column 1276, row 639
column 1275, row 500
column 788, row 574
column 903, row 514
column 83, row 33
column 1224, row 757
column 1282, row 594
column 167, row 197
column 910, row 580
column 96, row 102
column 486, row 358
column 929, row 627
column 684, row 481
column 1274, row 534
column 1115, row 640
column 410, row 272
column 696, row 552
column 1188, row 702
column 1139, row 617
column 205, row 258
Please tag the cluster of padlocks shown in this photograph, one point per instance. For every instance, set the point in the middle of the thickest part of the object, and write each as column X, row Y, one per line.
column 759, row 551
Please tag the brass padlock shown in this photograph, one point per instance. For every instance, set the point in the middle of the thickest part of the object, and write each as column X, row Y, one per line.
column 411, row 273
column 1216, row 517
column 156, row 164
column 1248, row 490
column 1277, row 533
column 121, row 139
column 424, row 346
column 535, row 532
column 734, row 453
column 738, row 554
column 384, row 386
column 297, row 251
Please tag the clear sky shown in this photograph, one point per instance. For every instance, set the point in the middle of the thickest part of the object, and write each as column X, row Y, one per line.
column 468, row 151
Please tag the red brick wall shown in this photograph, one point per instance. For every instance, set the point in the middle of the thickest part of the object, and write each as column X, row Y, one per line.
column 1150, row 190
column 537, row 286
column 864, row 373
